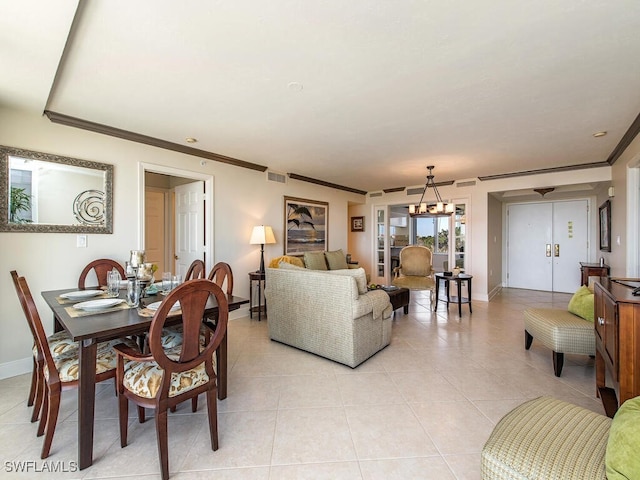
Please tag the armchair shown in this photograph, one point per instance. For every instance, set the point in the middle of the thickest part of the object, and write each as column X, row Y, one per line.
column 415, row 271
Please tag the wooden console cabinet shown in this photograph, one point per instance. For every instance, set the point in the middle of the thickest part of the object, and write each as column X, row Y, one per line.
column 617, row 330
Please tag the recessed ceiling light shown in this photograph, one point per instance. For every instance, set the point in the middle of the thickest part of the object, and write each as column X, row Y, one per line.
column 191, row 140
column 295, row 86
column 599, row 134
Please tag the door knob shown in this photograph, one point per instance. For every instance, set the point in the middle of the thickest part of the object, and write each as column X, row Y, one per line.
column 548, row 249
column 556, row 250
column 175, row 257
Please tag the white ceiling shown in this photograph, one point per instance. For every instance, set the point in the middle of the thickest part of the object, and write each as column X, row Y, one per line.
column 364, row 94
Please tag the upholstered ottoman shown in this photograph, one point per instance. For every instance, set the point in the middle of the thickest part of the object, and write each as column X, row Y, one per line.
column 561, row 331
column 547, row 439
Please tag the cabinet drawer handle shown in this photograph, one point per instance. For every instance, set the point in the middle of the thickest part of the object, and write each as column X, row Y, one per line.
column 600, row 321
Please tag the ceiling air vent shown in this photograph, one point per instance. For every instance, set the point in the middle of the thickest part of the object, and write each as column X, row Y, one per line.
column 415, row 191
column 276, row 177
column 470, row 183
column 375, row 194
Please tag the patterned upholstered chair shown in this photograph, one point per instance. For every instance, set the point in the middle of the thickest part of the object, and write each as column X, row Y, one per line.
column 547, row 439
column 561, row 331
column 195, row 270
column 166, row 377
column 59, row 372
column 416, row 270
column 101, row 267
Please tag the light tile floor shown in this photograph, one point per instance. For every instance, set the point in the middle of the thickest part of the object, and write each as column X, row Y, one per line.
column 421, row 408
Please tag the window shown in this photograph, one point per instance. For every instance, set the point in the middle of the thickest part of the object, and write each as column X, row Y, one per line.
column 432, row 232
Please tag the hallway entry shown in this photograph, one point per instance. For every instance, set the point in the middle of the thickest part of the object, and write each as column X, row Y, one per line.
column 545, row 243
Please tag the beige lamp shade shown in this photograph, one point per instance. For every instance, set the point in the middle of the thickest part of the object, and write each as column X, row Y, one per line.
column 262, row 235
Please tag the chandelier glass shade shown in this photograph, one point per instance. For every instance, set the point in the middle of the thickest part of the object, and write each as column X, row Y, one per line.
column 437, row 208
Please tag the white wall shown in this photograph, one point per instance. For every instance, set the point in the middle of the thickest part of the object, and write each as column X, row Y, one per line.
column 243, row 198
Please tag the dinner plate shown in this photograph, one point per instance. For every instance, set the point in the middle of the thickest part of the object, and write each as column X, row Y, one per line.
column 79, row 294
column 156, row 305
column 98, row 304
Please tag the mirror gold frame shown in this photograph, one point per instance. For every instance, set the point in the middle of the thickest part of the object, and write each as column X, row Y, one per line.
column 104, row 226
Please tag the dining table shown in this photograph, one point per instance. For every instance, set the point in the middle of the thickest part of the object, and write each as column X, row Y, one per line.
column 91, row 328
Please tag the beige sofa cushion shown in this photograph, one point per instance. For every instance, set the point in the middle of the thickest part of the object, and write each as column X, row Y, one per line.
column 336, row 260
column 315, row 261
column 357, row 273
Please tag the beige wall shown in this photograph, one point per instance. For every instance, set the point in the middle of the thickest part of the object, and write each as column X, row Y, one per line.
column 494, row 244
column 617, row 259
column 242, row 198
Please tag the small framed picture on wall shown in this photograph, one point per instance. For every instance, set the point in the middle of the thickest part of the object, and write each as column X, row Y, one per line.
column 357, row 224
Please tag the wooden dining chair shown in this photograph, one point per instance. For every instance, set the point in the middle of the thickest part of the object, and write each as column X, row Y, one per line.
column 59, row 344
column 220, row 274
column 61, row 372
column 165, row 378
column 101, row 267
column 195, row 270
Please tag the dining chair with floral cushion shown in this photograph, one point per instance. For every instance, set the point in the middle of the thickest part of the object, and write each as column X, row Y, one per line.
column 195, row 270
column 101, row 267
column 166, row 377
column 59, row 343
column 60, row 372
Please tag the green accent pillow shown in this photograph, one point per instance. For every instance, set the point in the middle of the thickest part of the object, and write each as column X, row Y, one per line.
column 336, row 260
column 581, row 304
column 622, row 460
column 315, row 261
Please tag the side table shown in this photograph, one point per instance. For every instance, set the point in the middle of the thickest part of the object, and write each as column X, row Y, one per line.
column 592, row 270
column 459, row 299
column 258, row 277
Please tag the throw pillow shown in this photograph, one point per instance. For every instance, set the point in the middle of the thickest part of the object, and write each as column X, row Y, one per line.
column 622, row 461
column 357, row 273
column 336, row 260
column 581, row 304
column 275, row 262
column 315, row 261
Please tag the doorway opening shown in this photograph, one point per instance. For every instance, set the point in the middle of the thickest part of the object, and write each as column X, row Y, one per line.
column 161, row 234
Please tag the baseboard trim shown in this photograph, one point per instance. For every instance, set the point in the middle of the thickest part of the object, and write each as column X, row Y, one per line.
column 495, row 291
column 15, row 368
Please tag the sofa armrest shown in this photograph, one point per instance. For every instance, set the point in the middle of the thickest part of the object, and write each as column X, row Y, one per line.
column 374, row 301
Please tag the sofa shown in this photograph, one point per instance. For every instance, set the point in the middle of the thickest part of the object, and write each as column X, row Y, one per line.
column 550, row 439
column 328, row 313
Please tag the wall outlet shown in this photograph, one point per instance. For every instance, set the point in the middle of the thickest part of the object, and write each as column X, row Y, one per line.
column 81, row 241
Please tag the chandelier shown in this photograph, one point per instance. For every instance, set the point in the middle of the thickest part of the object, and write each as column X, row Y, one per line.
column 430, row 209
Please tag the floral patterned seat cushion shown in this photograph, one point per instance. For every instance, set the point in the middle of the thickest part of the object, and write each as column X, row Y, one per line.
column 144, row 378
column 59, row 343
column 68, row 363
column 172, row 336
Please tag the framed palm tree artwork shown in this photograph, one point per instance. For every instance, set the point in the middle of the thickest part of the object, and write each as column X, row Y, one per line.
column 306, row 223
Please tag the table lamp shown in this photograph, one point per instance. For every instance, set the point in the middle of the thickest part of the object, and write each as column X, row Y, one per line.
column 260, row 235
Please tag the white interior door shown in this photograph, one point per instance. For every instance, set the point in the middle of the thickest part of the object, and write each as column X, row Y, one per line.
column 546, row 243
column 189, row 207
column 570, row 244
column 529, row 265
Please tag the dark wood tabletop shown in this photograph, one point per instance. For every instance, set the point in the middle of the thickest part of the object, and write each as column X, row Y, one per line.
column 89, row 330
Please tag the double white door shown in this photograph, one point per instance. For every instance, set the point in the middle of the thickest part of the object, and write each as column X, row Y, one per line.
column 546, row 243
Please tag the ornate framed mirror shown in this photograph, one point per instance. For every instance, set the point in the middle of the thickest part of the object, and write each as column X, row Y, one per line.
column 49, row 193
